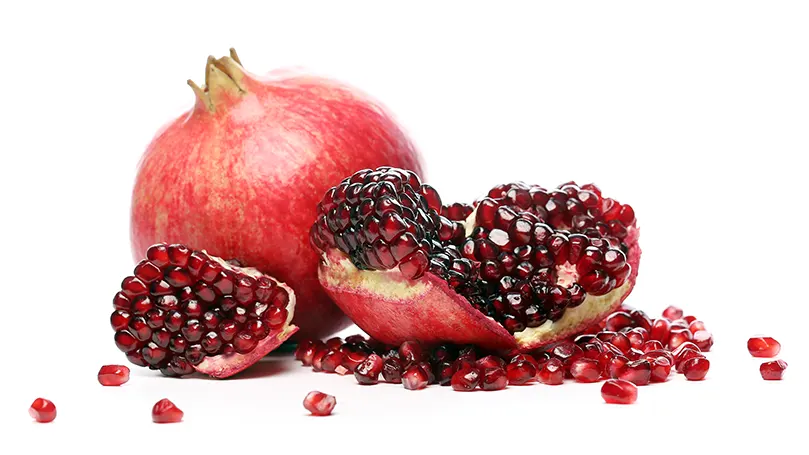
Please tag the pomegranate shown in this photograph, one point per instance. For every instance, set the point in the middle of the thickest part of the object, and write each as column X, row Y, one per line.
column 241, row 172
column 773, row 371
column 766, row 347
column 527, row 267
column 113, row 375
column 42, row 410
column 319, row 403
column 164, row 411
column 184, row 310
column 618, row 391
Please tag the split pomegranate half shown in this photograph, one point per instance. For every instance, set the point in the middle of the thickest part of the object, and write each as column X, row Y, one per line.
column 183, row 311
column 521, row 268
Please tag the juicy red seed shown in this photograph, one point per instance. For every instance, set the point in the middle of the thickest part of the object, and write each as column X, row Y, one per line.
column 158, row 255
column 164, row 411
column 686, row 354
column 411, row 352
column 178, row 255
column 244, row 342
column 773, row 370
column 521, row 371
column 414, row 266
column 696, row 368
column 367, row 372
column 148, row 272
column 275, row 317
column 392, row 370
column 618, row 391
column 119, row 320
column 585, row 370
column 620, row 341
column 465, row 380
column 415, row 378
column 695, row 326
column 652, row 345
column 637, row 337
column 661, row 329
column 672, row 313
column 618, row 320
column 638, row 372
column 319, row 403
column 703, row 339
column 490, row 361
column 113, row 375
column 331, row 360
column 661, row 369
column 494, row 379
column 552, row 373
column 42, row 410
column 763, row 347
column 125, row 341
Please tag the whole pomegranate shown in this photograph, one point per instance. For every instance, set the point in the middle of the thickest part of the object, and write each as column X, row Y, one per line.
column 241, row 173
column 522, row 268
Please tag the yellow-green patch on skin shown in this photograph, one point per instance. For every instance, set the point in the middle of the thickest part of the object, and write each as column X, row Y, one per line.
column 343, row 274
column 573, row 317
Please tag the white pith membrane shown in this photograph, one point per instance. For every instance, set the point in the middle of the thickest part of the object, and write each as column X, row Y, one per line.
column 226, row 365
column 339, row 275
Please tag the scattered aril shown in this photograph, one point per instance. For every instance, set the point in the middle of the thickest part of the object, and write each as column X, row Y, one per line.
column 164, row 411
column 552, row 373
column 773, row 371
column 618, row 391
column 763, row 347
column 319, row 403
column 673, row 313
column 42, row 410
column 494, row 379
column 465, row 380
column 113, row 375
column 695, row 368
column 415, row 378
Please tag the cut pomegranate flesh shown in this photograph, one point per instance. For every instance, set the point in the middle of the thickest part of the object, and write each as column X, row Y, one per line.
column 42, row 410
column 618, row 391
column 184, row 311
column 113, row 375
column 164, row 411
column 319, row 403
column 525, row 268
column 766, row 347
column 773, row 371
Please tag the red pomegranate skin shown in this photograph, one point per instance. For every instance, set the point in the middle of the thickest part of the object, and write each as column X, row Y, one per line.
column 240, row 174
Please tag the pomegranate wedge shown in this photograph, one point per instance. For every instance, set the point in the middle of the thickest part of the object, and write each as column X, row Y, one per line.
column 525, row 268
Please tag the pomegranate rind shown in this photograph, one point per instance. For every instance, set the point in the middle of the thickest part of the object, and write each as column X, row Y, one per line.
column 225, row 366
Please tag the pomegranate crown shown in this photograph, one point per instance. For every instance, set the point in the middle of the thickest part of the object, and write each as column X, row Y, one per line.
column 223, row 77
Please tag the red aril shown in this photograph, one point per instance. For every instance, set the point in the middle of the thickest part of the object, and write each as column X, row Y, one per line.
column 521, row 370
column 695, row 369
column 585, row 370
column 367, row 372
column 618, row 391
column 638, row 372
column 773, row 371
column 319, row 403
column 164, row 411
column 42, row 410
column 494, row 379
column 465, row 380
column 661, row 369
column 661, row 330
column 113, row 375
column 552, row 373
column 703, row 339
column 240, row 173
column 415, row 378
column 766, row 347
column 672, row 313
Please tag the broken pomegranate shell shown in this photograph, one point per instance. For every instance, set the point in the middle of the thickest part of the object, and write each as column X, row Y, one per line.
column 527, row 266
column 183, row 311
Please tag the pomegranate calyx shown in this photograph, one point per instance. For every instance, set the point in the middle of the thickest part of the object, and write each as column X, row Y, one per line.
column 224, row 78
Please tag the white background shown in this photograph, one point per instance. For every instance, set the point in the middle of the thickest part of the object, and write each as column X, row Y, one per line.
column 695, row 113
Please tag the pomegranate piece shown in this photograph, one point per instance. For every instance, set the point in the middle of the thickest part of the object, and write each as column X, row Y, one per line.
column 552, row 373
column 521, row 370
column 465, row 380
column 392, row 370
column 494, row 379
column 678, row 337
column 319, row 403
column 415, row 378
column 585, row 370
column 763, row 347
column 42, row 410
column 673, row 313
column 703, row 339
column 526, row 257
column 411, row 352
column 367, row 372
column 164, row 411
column 638, row 372
column 773, row 370
column 695, row 368
column 616, row 366
column 618, row 391
column 682, row 356
column 661, row 369
column 189, row 311
column 113, row 375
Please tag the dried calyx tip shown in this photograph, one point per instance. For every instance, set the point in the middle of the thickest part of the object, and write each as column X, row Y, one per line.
column 225, row 72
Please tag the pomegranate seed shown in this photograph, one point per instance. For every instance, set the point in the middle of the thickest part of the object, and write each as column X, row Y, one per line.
column 678, row 337
column 616, row 366
column 164, row 411
column 585, row 370
column 552, row 373
column 392, row 370
column 763, row 347
column 638, row 372
column 773, row 370
column 637, row 337
column 661, row 329
column 696, row 368
column 490, row 361
column 411, row 352
column 319, row 403
column 367, row 372
column 113, row 375
column 672, row 313
column 618, row 320
column 465, row 380
column 703, row 339
column 415, row 378
column 334, row 343
column 331, row 360
column 661, row 369
column 652, row 345
column 620, row 341
column 494, row 379
column 521, row 370
column 42, row 410
column 651, row 355
column 618, row 391
column 695, row 326
column 679, row 360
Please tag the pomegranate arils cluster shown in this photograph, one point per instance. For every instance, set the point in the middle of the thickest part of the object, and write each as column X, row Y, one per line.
column 181, row 306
